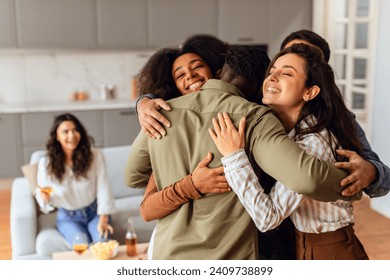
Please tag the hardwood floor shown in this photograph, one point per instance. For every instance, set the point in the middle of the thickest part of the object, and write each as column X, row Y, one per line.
column 5, row 238
column 372, row 228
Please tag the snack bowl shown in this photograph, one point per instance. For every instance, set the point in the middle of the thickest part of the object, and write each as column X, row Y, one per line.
column 104, row 250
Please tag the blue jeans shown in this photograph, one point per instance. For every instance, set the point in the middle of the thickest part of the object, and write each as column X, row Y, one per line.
column 70, row 222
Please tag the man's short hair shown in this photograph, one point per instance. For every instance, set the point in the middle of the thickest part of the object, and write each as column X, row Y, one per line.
column 250, row 62
column 311, row 37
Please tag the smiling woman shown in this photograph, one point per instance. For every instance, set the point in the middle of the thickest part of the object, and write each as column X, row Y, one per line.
column 76, row 172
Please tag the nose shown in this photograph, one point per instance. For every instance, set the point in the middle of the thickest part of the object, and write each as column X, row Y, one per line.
column 273, row 76
column 190, row 74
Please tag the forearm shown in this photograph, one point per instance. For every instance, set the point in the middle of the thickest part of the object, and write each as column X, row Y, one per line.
column 282, row 159
column 146, row 95
column 138, row 167
column 158, row 204
column 267, row 211
column 380, row 186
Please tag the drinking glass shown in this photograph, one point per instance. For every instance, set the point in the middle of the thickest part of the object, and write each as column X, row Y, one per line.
column 80, row 243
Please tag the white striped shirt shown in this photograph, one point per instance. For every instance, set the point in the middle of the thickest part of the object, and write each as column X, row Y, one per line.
column 268, row 211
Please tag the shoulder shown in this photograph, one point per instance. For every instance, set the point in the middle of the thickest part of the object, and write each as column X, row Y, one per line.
column 97, row 153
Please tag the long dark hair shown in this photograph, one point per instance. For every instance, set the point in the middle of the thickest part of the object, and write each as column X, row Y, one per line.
column 328, row 106
column 82, row 157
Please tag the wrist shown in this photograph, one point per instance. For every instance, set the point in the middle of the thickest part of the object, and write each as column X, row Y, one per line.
column 142, row 97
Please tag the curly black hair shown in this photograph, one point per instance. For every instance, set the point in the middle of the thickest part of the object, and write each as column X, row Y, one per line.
column 82, row 157
column 156, row 75
column 250, row 63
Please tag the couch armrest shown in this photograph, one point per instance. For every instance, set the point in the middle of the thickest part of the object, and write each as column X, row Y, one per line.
column 23, row 219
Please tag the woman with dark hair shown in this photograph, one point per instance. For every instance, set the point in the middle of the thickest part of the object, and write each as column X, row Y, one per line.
column 301, row 89
column 156, row 83
column 76, row 173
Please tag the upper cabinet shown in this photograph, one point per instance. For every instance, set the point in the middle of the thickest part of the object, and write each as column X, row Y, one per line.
column 171, row 21
column 244, row 22
column 122, row 23
column 127, row 24
column 56, row 23
column 7, row 36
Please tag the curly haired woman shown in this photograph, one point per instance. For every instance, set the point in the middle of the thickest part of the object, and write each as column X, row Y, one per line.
column 76, row 172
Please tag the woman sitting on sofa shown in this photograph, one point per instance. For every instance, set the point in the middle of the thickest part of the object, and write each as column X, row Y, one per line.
column 75, row 174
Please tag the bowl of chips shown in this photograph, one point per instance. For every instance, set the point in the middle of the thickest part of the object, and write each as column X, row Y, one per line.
column 104, row 250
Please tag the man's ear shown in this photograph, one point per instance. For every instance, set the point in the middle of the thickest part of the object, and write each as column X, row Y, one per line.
column 311, row 93
column 218, row 74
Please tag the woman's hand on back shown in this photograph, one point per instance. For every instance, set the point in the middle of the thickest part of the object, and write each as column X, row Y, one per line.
column 209, row 180
column 150, row 119
column 225, row 136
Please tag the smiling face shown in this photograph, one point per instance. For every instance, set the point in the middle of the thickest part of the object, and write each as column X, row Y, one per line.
column 190, row 72
column 284, row 88
column 68, row 136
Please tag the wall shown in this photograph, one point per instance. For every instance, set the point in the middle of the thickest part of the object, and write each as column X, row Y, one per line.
column 53, row 76
column 381, row 115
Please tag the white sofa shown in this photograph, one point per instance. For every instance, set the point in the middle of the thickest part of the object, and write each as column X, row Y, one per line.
column 34, row 235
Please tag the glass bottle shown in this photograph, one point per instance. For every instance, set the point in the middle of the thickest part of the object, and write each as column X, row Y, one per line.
column 131, row 239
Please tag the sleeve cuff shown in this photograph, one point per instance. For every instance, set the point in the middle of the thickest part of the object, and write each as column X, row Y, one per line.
column 146, row 95
column 235, row 160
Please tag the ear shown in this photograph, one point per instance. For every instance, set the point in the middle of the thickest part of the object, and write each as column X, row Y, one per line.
column 218, row 74
column 311, row 93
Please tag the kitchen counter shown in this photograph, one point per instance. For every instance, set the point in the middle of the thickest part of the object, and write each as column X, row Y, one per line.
column 55, row 106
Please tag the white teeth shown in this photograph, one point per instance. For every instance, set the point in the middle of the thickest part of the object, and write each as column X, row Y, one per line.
column 195, row 86
column 272, row 90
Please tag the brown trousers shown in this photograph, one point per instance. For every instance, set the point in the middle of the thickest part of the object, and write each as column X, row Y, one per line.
column 341, row 244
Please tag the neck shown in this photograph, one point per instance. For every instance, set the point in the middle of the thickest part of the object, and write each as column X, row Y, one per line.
column 68, row 157
column 288, row 120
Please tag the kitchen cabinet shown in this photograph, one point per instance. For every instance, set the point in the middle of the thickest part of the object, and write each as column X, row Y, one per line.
column 122, row 23
column 127, row 24
column 56, row 23
column 244, row 22
column 282, row 23
column 171, row 21
column 7, row 35
column 10, row 153
column 36, row 127
column 121, row 127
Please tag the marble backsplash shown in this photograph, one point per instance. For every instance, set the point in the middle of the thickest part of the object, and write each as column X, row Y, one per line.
column 32, row 77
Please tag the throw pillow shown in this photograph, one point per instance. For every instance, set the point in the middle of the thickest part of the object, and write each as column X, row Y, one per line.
column 30, row 171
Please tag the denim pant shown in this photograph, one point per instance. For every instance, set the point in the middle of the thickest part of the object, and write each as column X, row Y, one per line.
column 70, row 222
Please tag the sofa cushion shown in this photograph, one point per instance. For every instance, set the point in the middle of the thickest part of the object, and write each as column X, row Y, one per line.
column 116, row 158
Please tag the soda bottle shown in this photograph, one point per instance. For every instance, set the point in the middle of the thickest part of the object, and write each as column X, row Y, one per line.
column 131, row 239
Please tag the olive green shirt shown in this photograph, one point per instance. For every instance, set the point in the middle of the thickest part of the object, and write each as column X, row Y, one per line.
column 217, row 226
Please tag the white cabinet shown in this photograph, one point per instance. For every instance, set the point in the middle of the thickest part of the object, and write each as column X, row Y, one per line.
column 287, row 16
column 56, row 23
column 122, row 23
column 7, row 39
column 10, row 153
column 244, row 22
column 120, row 127
column 262, row 21
column 171, row 21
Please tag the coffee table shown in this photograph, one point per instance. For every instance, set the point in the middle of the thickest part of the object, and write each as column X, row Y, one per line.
column 142, row 249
